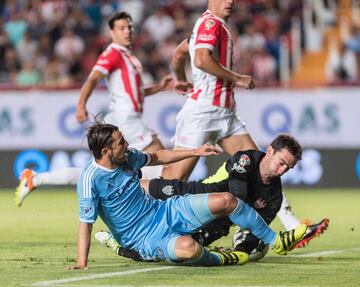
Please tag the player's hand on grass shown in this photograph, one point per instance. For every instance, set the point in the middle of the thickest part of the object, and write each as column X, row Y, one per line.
column 81, row 114
column 207, row 150
column 245, row 82
column 182, row 87
column 77, row 267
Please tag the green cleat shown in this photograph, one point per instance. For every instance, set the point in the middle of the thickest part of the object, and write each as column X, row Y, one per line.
column 232, row 257
column 107, row 239
column 286, row 240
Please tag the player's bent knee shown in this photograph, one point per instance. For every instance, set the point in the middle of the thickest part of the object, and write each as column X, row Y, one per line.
column 221, row 204
column 187, row 248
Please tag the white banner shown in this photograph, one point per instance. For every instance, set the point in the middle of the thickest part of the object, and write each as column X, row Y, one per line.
column 317, row 117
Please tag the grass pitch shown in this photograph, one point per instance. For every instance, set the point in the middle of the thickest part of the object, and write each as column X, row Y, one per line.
column 37, row 242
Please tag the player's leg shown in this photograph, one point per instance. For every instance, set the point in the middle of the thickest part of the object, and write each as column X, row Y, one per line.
column 184, row 249
column 286, row 215
column 29, row 180
column 193, row 129
column 234, row 143
column 235, row 137
column 206, row 207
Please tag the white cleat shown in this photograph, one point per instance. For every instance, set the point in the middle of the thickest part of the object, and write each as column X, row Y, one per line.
column 25, row 186
column 106, row 238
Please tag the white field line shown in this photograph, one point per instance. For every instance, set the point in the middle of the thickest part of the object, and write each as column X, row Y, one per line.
column 324, row 253
column 179, row 286
column 63, row 282
column 98, row 276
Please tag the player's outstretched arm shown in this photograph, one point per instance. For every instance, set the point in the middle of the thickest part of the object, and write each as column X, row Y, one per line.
column 165, row 84
column 92, row 81
column 83, row 246
column 168, row 156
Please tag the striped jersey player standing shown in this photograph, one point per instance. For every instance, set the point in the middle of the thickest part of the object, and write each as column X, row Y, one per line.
column 209, row 112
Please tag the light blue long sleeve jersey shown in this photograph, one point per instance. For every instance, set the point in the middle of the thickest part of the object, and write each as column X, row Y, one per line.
column 136, row 220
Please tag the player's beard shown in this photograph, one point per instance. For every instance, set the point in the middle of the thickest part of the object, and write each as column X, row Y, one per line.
column 118, row 161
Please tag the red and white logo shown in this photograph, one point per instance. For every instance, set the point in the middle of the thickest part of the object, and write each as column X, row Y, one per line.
column 241, row 164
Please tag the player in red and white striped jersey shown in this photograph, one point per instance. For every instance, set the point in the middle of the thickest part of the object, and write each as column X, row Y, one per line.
column 122, row 71
column 209, row 111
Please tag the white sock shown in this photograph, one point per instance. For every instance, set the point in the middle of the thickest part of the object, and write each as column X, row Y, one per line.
column 66, row 176
column 286, row 216
column 150, row 172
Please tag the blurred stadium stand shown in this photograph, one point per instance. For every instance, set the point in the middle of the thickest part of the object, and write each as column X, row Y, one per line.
column 54, row 44
column 289, row 46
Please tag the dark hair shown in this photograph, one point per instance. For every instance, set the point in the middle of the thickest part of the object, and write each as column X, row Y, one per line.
column 118, row 16
column 288, row 142
column 99, row 136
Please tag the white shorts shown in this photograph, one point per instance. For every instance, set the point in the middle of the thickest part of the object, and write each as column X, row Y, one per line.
column 197, row 124
column 132, row 126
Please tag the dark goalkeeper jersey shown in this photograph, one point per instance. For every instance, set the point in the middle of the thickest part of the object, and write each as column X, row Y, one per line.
column 244, row 182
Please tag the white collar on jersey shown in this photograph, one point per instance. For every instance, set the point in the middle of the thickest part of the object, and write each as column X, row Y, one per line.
column 119, row 47
column 222, row 20
column 103, row 167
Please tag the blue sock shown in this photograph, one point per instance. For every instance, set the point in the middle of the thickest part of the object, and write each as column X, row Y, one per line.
column 246, row 217
column 205, row 259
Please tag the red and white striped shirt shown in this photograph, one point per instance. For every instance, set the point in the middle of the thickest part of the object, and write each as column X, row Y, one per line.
column 123, row 71
column 212, row 33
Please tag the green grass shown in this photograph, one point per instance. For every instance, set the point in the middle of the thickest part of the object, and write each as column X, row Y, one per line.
column 37, row 242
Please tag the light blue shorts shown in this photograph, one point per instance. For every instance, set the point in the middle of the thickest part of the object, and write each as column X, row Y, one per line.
column 179, row 215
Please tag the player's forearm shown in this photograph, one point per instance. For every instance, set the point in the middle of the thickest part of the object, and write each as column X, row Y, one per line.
column 83, row 244
column 86, row 91
column 179, row 59
column 148, row 91
column 170, row 156
column 209, row 65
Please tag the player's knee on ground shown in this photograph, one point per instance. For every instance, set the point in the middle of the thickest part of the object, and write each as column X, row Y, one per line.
column 186, row 248
column 222, row 204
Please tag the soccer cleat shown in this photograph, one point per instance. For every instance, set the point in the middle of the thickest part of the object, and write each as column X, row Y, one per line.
column 312, row 231
column 25, row 186
column 286, row 240
column 232, row 257
column 107, row 239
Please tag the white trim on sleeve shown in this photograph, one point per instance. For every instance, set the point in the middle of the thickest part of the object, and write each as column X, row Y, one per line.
column 101, row 69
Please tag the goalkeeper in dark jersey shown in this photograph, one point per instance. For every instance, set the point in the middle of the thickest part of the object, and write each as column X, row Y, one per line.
column 253, row 176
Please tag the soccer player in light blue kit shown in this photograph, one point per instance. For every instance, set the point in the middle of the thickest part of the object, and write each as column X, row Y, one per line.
column 109, row 187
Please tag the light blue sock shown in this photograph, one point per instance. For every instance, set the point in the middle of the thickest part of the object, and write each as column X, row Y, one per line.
column 205, row 259
column 246, row 217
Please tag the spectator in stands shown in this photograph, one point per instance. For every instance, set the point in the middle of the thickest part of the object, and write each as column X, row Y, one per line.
column 69, row 46
column 341, row 66
column 160, row 25
column 28, row 76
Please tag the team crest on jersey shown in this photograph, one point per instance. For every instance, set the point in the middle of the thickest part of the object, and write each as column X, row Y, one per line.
column 160, row 253
column 168, row 190
column 209, row 24
column 241, row 164
column 89, row 210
